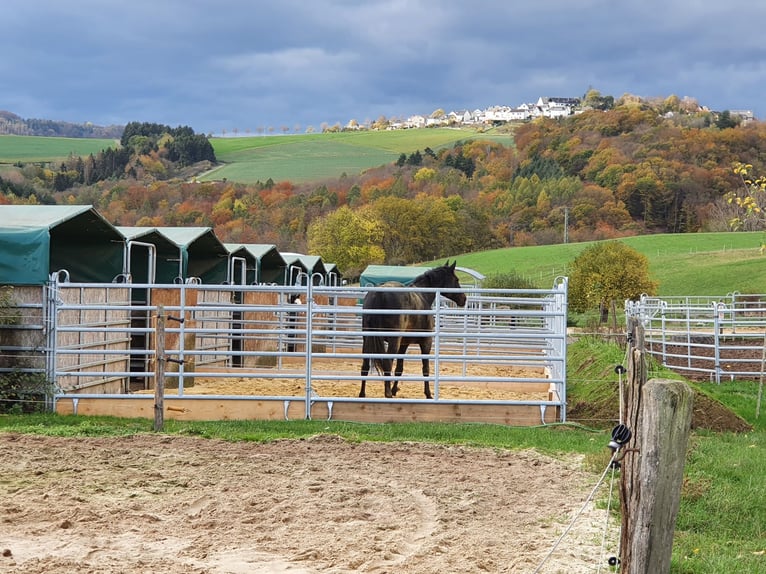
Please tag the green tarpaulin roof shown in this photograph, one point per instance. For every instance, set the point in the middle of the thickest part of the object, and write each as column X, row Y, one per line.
column 203, row 255
column 135, row 233
column 375, row 275
column 333, row 274
column 37, row 240
column 310, row 264
column 167, row 265
column 47, row 216
column 268, row 265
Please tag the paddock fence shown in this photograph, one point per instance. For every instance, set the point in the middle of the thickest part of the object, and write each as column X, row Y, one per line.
column 705, row 338
column 247, row 352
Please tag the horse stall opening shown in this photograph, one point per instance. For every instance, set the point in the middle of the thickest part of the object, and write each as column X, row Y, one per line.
column 276, row 352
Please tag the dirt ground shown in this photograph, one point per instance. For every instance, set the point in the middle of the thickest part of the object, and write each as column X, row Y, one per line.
column 153, row 504
column 172, row 505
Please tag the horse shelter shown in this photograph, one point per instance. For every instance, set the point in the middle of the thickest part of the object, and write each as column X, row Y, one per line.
column 81, row 300
column 247, row 352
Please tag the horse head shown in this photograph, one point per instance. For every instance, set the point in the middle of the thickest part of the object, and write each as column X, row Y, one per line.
column 445, row 277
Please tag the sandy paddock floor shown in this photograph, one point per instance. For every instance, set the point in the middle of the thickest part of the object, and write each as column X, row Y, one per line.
column 168, row 504
column 264, row 384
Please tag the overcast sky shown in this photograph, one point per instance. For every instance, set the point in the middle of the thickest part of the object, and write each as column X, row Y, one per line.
column 243, row 64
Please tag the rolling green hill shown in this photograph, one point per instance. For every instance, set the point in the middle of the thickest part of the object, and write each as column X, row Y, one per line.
column 313, row 157
column 48, row 149
column 296, row 157
column 684, row 264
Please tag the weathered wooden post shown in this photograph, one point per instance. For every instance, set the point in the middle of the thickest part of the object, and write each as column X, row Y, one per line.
column 760, row 384
column 659, row 414
column 159, row 370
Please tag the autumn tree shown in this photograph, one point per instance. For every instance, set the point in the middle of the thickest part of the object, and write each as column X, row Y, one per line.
column 606, row 273
column 595, row 100
column 726, row 121
column 420, row 229
column 749, row 201
column 350, row 239
column 381, row 123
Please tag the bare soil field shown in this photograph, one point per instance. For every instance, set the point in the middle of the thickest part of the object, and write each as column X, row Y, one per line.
column 743, row 354
column 153, row 503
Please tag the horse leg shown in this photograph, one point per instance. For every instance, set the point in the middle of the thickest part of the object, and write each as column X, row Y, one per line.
column 390, row 344
column 368, row 346
column 399, row 366
column 425, row 348
column 386, row 368
column 365, row 372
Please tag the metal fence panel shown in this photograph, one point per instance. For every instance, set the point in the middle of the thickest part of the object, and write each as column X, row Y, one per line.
column 711, row 338
column 255, row 332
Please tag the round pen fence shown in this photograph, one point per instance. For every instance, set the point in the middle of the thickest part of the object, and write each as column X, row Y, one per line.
column 705, row 338
column 274, row 352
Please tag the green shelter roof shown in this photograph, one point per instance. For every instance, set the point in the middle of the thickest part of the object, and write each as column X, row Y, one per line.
column 310, row 264
column 42, row 216
column 167, row 266
column 375, row 275
column 268, row 265
column 37, row 240
column 203, row 255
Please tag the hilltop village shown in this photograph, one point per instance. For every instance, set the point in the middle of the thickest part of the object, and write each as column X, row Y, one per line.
column 544, row 107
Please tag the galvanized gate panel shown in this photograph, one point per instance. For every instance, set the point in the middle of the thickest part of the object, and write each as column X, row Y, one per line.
column 308, row 339
column 90, row 336
column 707, row 338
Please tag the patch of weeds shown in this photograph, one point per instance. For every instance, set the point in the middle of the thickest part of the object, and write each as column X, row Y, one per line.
column 24, row 393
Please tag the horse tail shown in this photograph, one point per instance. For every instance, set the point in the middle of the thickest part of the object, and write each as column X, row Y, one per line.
column 373, row 345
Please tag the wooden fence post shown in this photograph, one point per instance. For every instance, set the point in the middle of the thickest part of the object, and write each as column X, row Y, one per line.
column 159, row 370
column 659, row 414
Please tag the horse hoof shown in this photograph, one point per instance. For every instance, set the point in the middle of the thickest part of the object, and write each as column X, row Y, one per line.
column 362, row 395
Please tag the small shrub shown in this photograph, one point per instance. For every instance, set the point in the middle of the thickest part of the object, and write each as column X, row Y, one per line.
column 9, row 311
column 24, row 392
column 507, row 281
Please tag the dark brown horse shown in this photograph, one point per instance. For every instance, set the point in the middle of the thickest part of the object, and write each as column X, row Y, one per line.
column 393, row 343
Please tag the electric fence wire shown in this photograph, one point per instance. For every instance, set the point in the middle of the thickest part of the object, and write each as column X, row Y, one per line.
column 606, row 525
column 578, row 514
column 620, row 369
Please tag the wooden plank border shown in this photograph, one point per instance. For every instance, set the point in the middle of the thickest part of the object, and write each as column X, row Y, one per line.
column 293, row 408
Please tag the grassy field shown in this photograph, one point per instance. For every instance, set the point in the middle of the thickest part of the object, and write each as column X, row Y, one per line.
column 313, row 157
column 295, row 157
column 684, row 264
column 31, row 149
